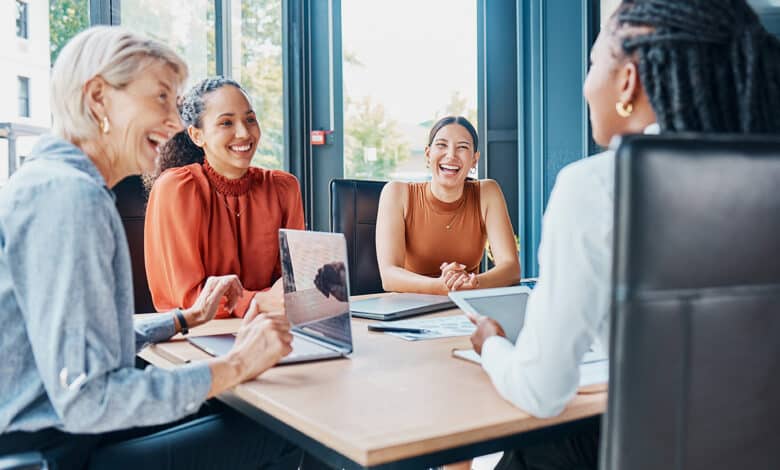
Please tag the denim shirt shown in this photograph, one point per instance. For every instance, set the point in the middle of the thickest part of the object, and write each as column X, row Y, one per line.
column 67, row 339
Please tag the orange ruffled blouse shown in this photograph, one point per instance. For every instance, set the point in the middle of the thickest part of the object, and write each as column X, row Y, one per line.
column 200, row 224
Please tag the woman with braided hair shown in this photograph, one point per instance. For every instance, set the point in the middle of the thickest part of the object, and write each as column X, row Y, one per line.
column 657, row 66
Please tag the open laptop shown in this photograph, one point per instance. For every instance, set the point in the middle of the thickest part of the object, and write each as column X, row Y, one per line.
column 316, row 298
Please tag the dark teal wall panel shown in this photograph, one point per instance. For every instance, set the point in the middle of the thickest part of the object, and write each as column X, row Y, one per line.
column 554, row 130
column 497, row 98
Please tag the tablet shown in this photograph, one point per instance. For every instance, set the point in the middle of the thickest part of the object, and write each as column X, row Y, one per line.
column 506, row 305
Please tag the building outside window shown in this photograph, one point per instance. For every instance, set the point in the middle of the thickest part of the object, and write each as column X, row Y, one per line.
column 24, row 97
column 42, row 27
column 21, row 19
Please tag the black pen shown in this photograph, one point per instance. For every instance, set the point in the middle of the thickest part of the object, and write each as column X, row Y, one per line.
column 397, row 329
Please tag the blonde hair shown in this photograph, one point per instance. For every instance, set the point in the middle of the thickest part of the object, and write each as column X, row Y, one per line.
column 113, row 53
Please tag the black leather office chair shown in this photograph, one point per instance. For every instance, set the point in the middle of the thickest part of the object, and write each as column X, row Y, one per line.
column 695, row 347
column 23, row 461
column 353, row 207
column 131, row 203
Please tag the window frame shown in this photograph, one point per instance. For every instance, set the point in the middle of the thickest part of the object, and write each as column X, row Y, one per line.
column 22, row 19
column 23, row 96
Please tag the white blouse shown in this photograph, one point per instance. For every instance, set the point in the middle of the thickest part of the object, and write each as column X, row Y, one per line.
column 568, row 310
column 569, row 307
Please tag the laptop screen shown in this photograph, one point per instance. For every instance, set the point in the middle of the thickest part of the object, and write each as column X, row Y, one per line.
column 316, row 284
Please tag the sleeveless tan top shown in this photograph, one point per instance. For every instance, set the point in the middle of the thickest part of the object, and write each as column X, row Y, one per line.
column 438, row 232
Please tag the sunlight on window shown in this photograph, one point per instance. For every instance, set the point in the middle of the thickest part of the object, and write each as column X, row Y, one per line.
column 417, row 64
column 185, row 25
column 257, row 53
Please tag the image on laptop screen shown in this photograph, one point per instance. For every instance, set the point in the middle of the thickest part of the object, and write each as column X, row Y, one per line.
column 316, row 283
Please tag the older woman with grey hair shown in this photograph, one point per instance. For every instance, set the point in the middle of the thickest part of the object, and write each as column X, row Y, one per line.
column 66, row 297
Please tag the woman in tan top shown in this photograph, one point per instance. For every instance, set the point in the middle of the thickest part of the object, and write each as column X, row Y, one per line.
column 430, row 236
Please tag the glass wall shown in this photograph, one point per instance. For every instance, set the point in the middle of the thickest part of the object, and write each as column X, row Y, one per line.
column 257, row 55
column 255, row 52
column 406, row 64
column 66, row 19
column 185, row 25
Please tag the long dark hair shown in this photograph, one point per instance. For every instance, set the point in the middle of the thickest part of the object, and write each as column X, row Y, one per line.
column 446, row 121
column 706, row 65
column 180, row 150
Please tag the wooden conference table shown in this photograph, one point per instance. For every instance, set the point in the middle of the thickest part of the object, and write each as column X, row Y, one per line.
column 391, row 404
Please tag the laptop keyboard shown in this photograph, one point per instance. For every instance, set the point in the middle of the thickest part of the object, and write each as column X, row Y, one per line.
column 337, row 328
column 303, row 348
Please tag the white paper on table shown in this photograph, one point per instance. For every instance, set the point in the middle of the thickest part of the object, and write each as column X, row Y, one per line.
column 440, row 327
column 591, row 373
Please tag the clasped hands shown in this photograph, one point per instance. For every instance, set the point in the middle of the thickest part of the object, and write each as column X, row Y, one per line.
column 455, row 277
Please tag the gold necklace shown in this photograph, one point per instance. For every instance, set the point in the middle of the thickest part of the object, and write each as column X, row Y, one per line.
column 449, row 224
column 230, row 209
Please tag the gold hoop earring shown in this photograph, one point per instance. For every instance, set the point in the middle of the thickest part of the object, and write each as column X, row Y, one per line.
column 624, row 110
column 105, row 126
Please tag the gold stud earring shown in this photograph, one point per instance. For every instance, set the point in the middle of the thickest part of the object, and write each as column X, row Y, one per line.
column 624, row 110
column 105, row 126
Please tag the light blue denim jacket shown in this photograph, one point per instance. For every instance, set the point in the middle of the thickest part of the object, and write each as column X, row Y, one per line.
column 67, row 339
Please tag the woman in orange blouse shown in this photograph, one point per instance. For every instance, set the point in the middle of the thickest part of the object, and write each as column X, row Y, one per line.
column 210, row 212
column 430, row 236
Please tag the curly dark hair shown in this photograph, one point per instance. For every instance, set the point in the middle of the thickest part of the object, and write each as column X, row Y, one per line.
column 706, row 65
column 180, row 150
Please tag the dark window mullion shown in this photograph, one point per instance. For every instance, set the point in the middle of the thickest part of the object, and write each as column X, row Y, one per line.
column 105, row 12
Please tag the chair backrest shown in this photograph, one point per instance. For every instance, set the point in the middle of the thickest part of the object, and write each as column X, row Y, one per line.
column 131, row 203
column 353, row 208
column 695, row 339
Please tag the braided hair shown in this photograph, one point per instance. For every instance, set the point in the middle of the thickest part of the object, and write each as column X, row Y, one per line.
column 180, row 150
column 706, row 65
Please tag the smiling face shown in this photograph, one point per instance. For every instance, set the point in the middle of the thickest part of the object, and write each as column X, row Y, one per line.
column 142, row 117
column 451, row 156
column 229, row 132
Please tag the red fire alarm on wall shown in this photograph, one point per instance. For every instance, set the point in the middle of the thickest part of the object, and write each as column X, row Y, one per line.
column 321, row 137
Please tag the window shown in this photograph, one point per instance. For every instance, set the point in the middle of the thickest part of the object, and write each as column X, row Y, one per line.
column 257, row 51
column 66, row 19
column 400, row 75
column 21, row 19
column 24, row 97
column 185, row 25
column 25, row 69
